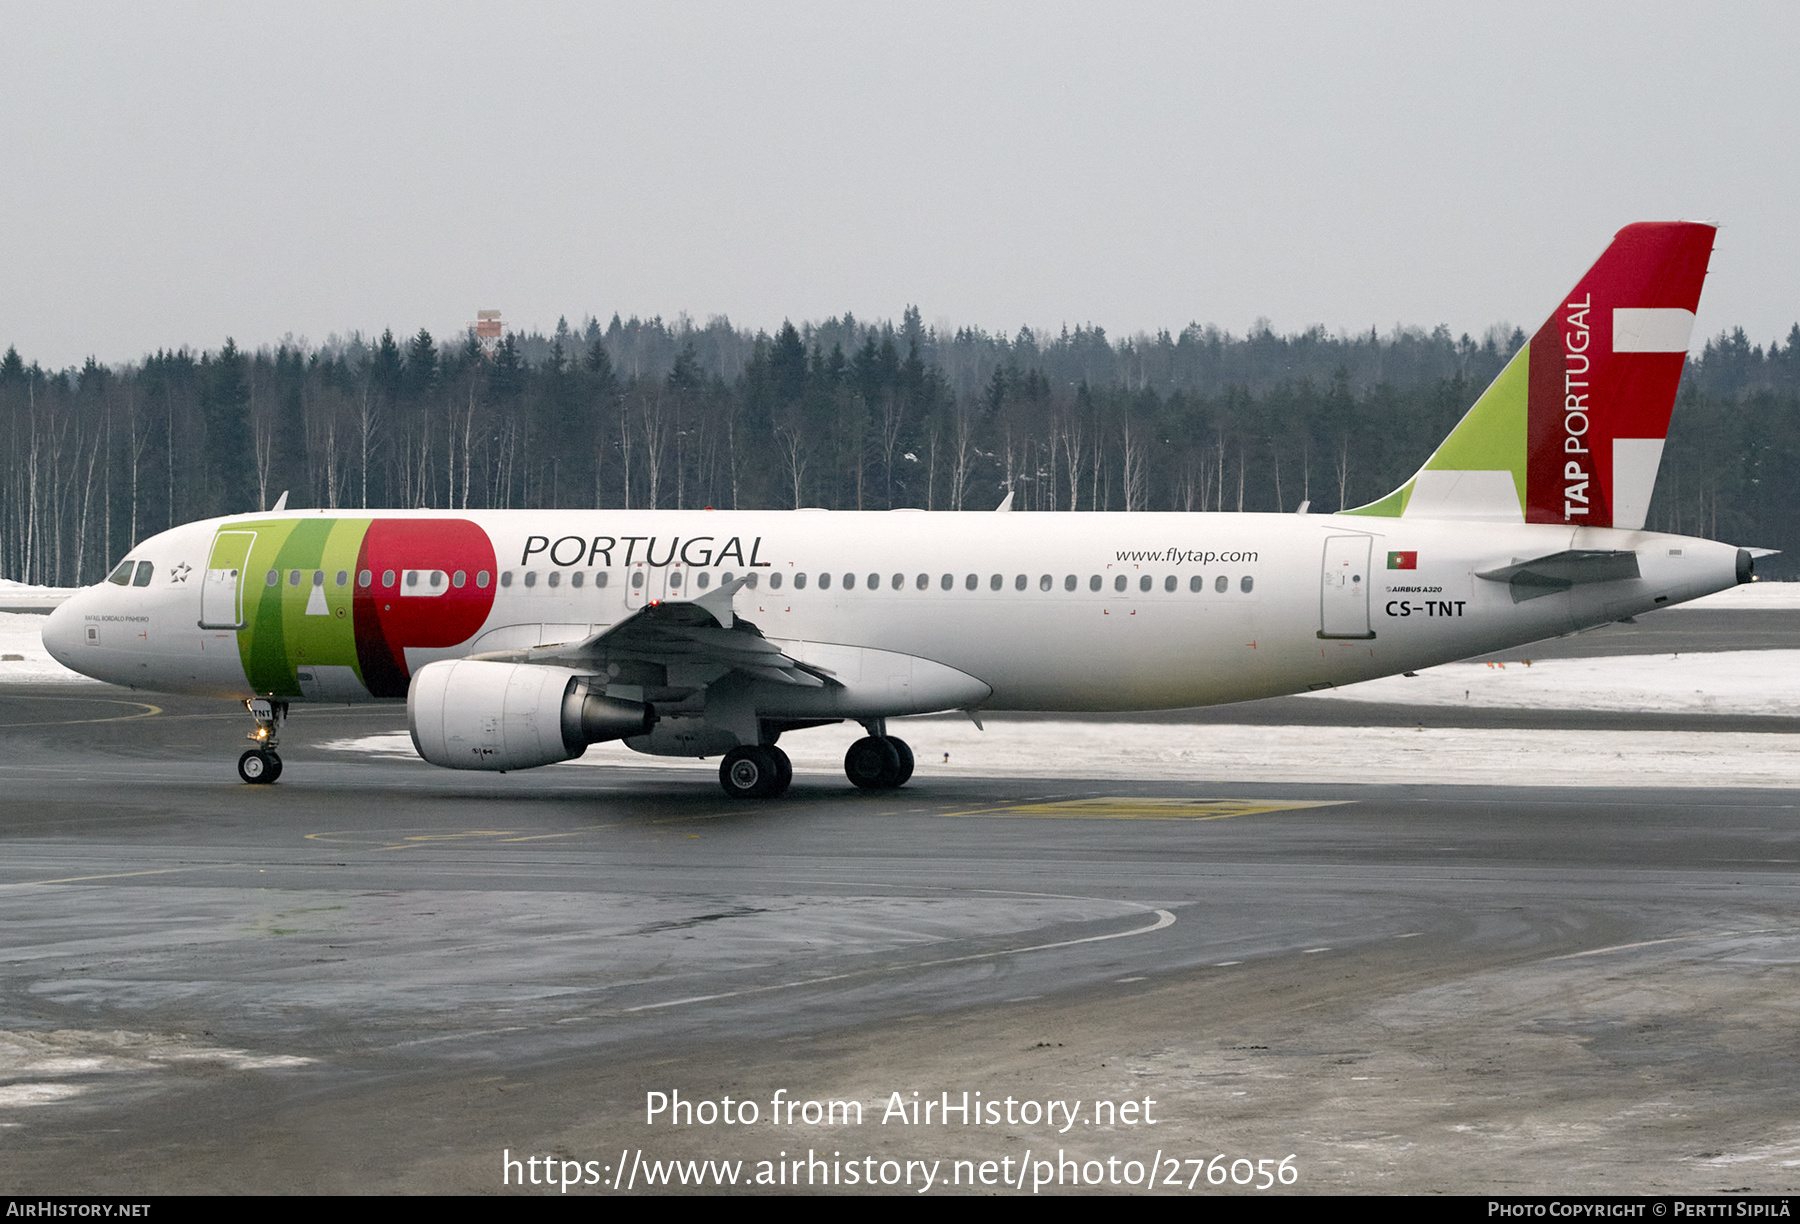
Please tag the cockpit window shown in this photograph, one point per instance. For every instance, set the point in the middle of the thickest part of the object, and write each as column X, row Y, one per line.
column 145, row 570
column 122, row 575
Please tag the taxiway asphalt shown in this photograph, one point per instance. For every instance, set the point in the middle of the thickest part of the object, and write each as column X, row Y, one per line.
column 378, row 976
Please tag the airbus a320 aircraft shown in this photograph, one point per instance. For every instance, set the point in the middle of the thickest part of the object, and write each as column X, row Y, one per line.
column 519, row 637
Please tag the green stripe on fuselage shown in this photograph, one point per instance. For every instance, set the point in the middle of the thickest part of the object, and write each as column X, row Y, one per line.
column 279, row 636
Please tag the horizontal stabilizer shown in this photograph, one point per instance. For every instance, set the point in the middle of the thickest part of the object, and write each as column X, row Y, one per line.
column 1559, row 571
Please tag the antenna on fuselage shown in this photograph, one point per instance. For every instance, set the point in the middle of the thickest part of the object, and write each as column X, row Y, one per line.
column 280, row 502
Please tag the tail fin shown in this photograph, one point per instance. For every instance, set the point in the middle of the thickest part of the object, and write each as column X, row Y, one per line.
column 1572, row 430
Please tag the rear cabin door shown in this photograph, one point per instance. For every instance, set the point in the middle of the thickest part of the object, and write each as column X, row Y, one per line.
column 222, row 594
column 1344, row 597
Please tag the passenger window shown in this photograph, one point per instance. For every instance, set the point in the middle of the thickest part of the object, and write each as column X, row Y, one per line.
column 705, row 579
column 1044, row 583
column 875, row 582
column 599, row 579
column 1246, row 584
column 506, row 578
column 849, row 582
column 273, row 579
column 364, row 578
column 948, row 582
column 1221, row 584
column 994, row 582
column 825, row 582
column 775, row 580
column 1094, row 583
column 1119, row 582
column 971, row 582
column 674, row 580
column 751, row 579
column 412, row 578
column 924, row 582
column 387, row 578
column 725, row 577
column 1196, row 583
column 343, row 578
column 456, row 580
column 800, row 581
column 530, row 578
column 122, row 575
column 293, row 577
column 1144, row 583
column 1069, row 582
column 144, row 571
column 555, row 578
column 637, row 580
column 1169, row 583
column 318, row 578
column 1019, row 583
column 899, row 581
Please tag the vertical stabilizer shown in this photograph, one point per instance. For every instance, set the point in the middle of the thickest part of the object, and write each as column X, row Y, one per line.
column 1572, row 430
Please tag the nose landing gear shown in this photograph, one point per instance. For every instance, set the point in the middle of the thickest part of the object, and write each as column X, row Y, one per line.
column 260, row 765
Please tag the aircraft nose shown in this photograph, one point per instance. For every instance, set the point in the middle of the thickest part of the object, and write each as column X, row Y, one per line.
column 62, row 631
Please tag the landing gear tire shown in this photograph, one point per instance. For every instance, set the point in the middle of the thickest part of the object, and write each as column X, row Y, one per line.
column 259, row 766
column 784, row 770
column 751, row 771
column 873, row 763
column 906, row 762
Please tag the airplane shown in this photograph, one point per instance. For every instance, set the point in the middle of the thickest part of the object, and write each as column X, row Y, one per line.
column 519, row 637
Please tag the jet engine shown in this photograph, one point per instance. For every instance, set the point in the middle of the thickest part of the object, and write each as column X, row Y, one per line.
column 473, row 714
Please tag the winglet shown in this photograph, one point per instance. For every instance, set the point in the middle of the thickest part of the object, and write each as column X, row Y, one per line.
column 1571, row 432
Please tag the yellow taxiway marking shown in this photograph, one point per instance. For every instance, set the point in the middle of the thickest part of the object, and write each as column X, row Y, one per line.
column 414, row 841
column 145, row 710
column 1130, row 808
column 111, row 875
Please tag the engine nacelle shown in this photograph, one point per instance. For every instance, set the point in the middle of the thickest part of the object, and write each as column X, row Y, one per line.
column 474, row 714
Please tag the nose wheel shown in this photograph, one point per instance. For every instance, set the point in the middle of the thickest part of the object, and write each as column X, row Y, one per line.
column 260, row 765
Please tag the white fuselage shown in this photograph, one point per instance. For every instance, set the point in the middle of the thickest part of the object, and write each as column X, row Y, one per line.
column 1009, row 599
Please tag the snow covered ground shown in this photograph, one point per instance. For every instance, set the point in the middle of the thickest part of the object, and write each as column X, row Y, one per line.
column 1723, row 682
column 1210, row 753
column 1751, row 597
column 24, row 597
column 21, row 634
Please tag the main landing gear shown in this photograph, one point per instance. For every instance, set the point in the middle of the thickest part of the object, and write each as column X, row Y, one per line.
column 260, row 765
column 755, row 771
column 878, row 762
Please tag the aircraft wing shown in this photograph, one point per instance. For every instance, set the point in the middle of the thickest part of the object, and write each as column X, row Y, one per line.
column 698, row 633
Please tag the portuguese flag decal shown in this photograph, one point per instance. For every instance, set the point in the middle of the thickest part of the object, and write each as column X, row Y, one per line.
column 1403, row 560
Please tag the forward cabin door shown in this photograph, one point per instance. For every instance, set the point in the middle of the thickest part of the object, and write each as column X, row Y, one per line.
column 222, row 594
column 1344, row 597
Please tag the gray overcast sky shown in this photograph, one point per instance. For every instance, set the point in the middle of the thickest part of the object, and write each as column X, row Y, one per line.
column 174, row 173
